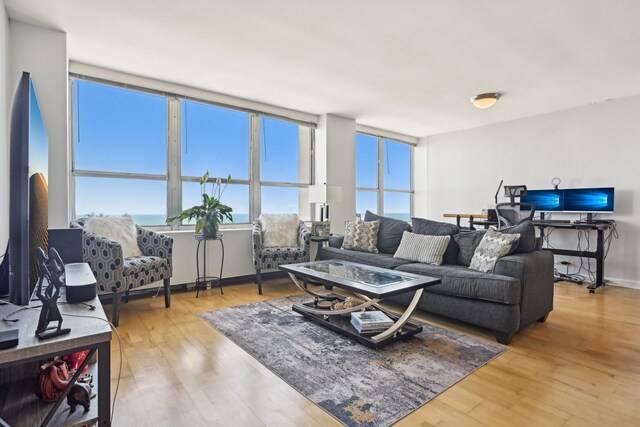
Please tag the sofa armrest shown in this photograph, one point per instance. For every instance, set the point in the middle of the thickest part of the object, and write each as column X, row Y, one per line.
column 152, row 243
column 304, row 237
column 336, row 241
column 535, row 272
column 256, row 238
column 104, row 257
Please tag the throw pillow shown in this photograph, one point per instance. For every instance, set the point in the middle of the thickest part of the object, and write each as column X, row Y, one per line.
column 121, row 229
column 361, row 236
column 467, row 242
column 527, row 233
column 422, row 248
column 493, row 246
column 389, row 233
column 279, row 230
column 436, row 228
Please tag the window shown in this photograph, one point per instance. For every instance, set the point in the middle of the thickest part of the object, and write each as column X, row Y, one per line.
column 283, row 176
column 142, row 153
column 215, row 139
column 119, row 152
column 383, row 177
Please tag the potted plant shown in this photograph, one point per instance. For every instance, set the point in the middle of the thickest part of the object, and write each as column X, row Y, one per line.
column 211, row 212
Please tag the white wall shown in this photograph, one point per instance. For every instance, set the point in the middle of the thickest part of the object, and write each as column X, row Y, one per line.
column 5, row 102
column 43, row 53
column 591, row 146
column 335, row 158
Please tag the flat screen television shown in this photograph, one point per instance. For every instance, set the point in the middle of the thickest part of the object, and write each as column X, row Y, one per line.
column 589, row 199
column 28, row 192
column 544, row 200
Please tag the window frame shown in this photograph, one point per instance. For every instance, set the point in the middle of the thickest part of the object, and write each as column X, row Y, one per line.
column 380, row 189
column 173, row 176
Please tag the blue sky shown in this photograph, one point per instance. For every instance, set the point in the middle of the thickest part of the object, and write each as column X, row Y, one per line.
column 119, row 130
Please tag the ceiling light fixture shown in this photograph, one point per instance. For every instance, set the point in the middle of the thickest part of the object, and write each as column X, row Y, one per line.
column 485, row 100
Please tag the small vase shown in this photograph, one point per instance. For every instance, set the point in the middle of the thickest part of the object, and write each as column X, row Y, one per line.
column 209, row 232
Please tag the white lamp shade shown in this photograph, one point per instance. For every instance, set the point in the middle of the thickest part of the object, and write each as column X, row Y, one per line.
column 324, row 193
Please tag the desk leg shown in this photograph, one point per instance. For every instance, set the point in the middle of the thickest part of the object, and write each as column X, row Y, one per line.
column 104, row 384
column 599, row 263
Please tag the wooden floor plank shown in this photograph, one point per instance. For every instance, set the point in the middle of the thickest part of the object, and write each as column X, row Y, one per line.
column 580, row 368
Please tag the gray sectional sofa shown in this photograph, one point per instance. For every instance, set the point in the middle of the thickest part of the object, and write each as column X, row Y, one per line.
column 518, row 292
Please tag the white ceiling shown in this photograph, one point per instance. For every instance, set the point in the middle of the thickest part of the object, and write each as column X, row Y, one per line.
column 408, row 66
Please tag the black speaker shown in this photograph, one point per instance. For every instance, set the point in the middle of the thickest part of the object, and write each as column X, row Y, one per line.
column 68, row 243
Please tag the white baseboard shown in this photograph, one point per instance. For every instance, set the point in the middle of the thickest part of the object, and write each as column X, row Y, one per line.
column 634, row 284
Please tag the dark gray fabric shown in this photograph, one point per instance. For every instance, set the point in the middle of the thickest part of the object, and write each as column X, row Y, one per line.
column 389, row 232
column 336, row 241
column 487, row 314
column 467, row 242
column 435, row 228
column 535, row 272
column 378, row 260
column 460, row 281
column 527, row 232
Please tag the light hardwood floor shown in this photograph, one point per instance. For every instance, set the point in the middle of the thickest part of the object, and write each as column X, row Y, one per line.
column 580, row 368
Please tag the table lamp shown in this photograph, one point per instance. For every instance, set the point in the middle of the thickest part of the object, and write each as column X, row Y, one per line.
column 325, row 194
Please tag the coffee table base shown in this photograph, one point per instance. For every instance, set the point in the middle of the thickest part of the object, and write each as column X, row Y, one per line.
column 402, row 328
column 343, row 326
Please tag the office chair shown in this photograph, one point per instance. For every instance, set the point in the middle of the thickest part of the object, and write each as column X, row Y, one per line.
column 506, row 212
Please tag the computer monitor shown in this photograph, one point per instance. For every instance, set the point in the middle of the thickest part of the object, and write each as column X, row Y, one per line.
column 544, row 200
column 589, row 199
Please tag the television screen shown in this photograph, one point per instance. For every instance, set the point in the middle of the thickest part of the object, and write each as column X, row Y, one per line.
column 589, row 199
column 544, row 200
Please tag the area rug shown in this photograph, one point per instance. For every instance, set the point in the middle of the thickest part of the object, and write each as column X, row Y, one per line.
column 357, row 385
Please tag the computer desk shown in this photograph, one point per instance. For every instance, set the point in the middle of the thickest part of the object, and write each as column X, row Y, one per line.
column 598, row 254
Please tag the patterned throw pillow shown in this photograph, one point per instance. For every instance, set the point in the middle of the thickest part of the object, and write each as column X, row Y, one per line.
column 422, row 248
column 493, row 246
column 361, row 236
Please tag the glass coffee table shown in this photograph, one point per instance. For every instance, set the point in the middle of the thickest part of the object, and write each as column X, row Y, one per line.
column 371, row 285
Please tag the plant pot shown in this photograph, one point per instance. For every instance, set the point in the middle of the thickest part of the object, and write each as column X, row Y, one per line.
column 208, row 233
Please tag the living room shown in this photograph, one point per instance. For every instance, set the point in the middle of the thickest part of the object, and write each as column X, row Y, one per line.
column 370, row 103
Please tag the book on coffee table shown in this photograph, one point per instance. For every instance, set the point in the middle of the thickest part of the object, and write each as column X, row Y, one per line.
column 370, row 321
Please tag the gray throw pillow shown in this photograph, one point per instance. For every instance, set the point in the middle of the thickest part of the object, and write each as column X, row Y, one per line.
column 422, row 248
column 467, row 242
column 389, row 233
column 493, row 246
column 361, row 236
column 527, row 233
column 436, row 228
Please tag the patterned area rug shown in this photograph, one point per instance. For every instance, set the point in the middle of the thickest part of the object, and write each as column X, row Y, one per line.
column 358, row 385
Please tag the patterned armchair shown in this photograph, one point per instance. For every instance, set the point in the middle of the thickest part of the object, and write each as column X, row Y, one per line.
column 117, row 275
column 270, row 258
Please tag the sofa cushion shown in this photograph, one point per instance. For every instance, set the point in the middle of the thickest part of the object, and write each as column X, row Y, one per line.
column 389, row 232
column 460, row 281
column 467, row 242
column 493, row 246
column 377, row 260
column 361, row 236
column 121, row 229
column 422, row 248
column 435, row 228
column 527, row 233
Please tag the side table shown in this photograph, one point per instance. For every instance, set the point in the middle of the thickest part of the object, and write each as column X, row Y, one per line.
column 203, row 280
column 320, row 241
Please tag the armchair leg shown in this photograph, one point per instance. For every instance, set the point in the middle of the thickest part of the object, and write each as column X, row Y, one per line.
column 126, row 296
column 115, row 315
column 167, row 293
column 259, row 281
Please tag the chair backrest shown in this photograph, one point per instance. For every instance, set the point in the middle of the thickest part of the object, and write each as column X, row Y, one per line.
column 508, row 215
